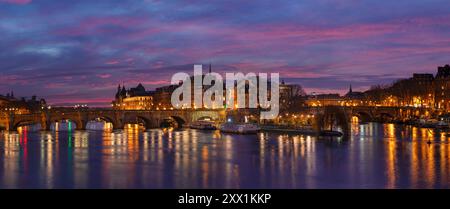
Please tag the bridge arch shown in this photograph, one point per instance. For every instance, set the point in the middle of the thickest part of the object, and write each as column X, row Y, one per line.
column 363, row 116
column 18, row 124
column 172, row 121
column 77, row 124
column 106, row 118
column 3, row 126
column 205, row 118
column 333, row 116
column 108, row 123
column 386, row 117
column 198, row 115
column 147, row 121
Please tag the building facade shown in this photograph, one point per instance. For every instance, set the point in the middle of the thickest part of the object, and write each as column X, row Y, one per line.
column 320, row 100
column 422, row 90
column 136, row 98
column 353, row 98
column 11, row 104
column 442, row 88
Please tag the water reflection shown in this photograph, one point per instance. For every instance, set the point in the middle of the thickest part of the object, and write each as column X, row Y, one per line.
column 375, row 156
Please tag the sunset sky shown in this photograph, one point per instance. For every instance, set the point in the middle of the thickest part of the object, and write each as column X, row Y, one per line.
column 79, row 51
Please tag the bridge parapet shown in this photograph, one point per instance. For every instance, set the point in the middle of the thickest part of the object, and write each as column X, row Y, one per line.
column 118, row 118
column 153, row 119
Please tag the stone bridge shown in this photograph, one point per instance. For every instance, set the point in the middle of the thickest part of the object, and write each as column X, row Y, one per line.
column 325, row 117
column 153, row 119
column 328, row 116
column 389, row 114
column 118, row 118
column 374, row 113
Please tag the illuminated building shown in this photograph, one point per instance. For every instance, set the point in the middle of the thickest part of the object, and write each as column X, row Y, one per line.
column 9, row 103
column 162, row 97
column 353, row 98
column 320, row 100
column 133, row 99
column 289, row 94
column 422, row 90
column 137, row 103
column 442, row 87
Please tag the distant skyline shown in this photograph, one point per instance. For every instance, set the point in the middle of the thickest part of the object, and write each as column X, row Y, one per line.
column 79, row 51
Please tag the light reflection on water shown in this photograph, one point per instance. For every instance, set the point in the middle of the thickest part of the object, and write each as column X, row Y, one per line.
column 375, row 156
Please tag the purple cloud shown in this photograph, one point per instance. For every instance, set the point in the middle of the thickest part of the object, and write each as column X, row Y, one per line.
column 21, row 2
column 92, row 46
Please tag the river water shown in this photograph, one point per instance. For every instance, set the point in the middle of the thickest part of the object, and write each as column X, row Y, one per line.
column 374, row 156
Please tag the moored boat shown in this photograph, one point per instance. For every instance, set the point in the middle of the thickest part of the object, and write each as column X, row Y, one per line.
column 244, row 128
column 298, row 130
column 203, row 125
column 427, row 123
column 331, row 133
column 432, row 123
column 442, row 125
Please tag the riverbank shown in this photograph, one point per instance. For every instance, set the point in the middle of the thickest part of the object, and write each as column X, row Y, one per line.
column 289, row 130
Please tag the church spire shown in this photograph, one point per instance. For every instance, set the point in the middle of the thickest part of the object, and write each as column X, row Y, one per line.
column 123, row 92
column 350, row 90
column 118, row 92
column 210, row 69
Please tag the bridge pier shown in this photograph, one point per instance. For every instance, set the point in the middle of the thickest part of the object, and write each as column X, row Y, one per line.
column 150, row 125
column 117, row 124
column 118, row 127
column 10, row 126
column 10, row 122
column 81, row 125
column 45, row 126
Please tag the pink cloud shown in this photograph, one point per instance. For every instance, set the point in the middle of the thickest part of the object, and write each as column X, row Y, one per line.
column 158, row 64
column 54, row 85
column 93, row 25
column 152, row 83
column 113, row 62
column 20, row 2
column 14, row 80
column 159, row 82
column 104, row 75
